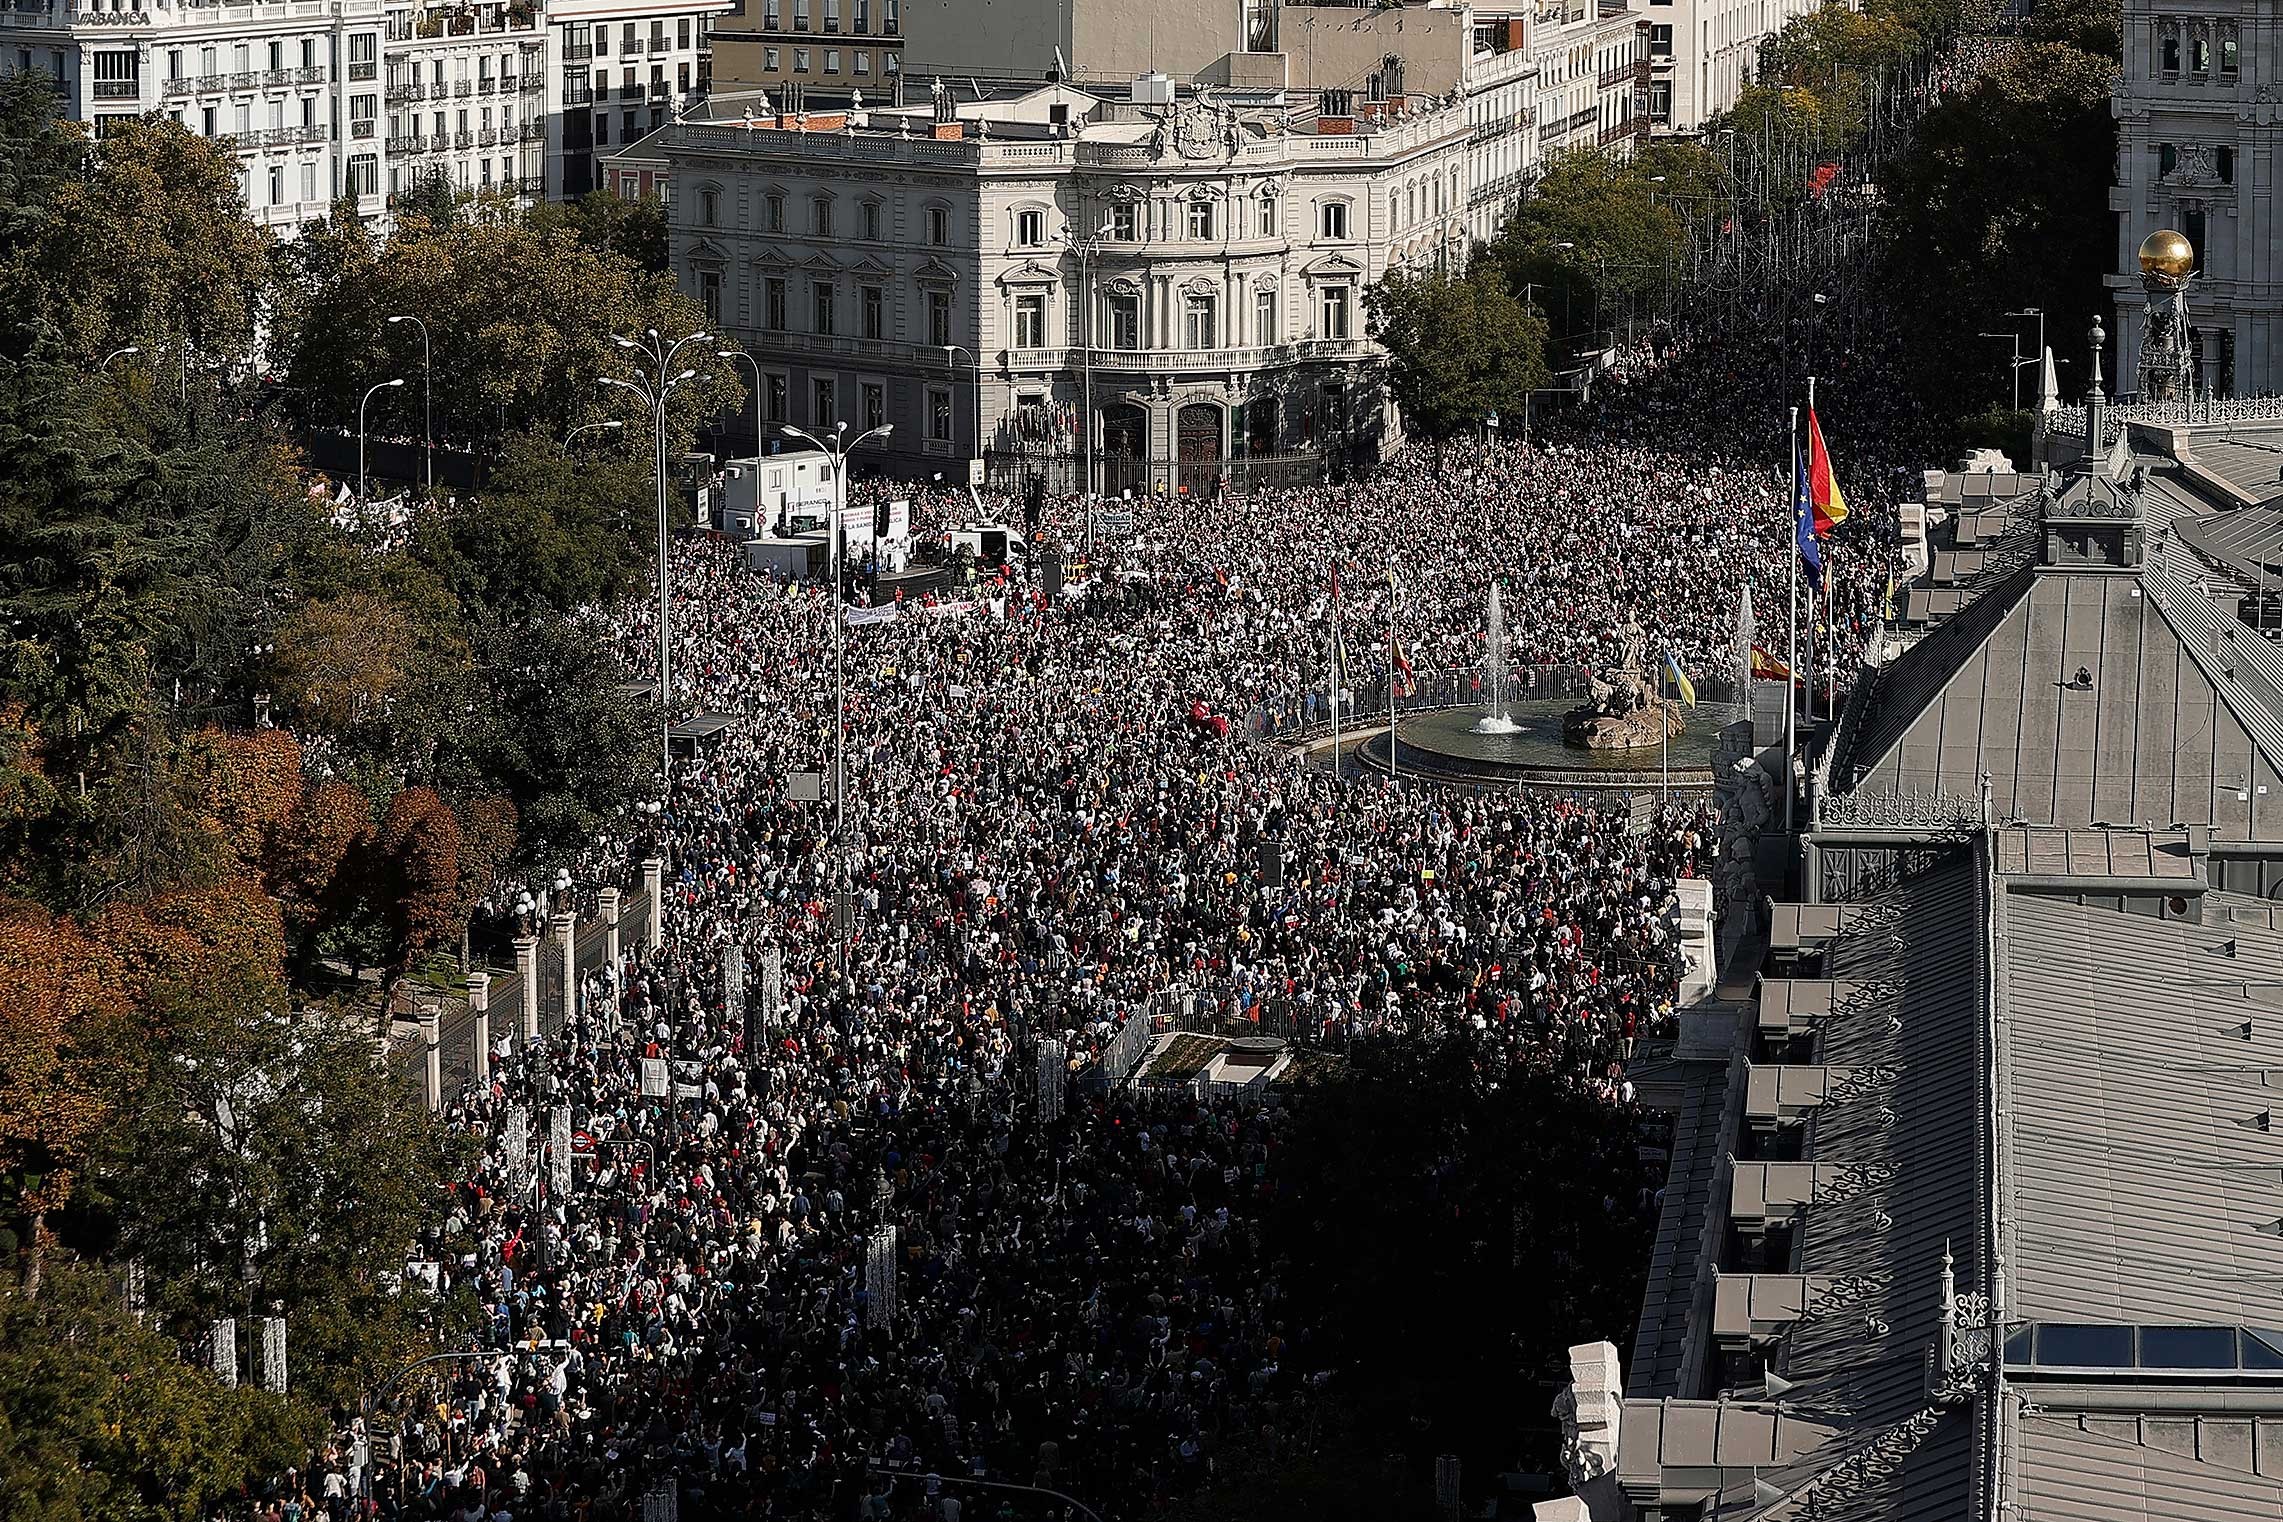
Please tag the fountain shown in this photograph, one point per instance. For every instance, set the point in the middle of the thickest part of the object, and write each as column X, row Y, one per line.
column 1625, row 711
column 1494, row 720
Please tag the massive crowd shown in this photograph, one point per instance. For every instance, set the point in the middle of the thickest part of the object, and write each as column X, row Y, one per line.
column 1041, row 844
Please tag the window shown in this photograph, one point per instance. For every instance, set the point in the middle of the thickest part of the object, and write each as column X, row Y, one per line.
column 773, row 208
column 1201, row 222
column 800, row 60
column 939, row 318
column 939, row 414
column 888, row 22
column 363, row 52
column 2228, row 57
column 871, row 221
column 770, row 20
column 826, row 404
column 820, row 306
column 2200, row 55
column 2224, row 162
column 2169, row 50
column 364, row 175
column 682, row 33
column 773, row 303
column 2167, row 158
column 1661, row 97
column 1123, row 227
column 800, row 15
column 309, row 52
column 709, row 281
column 861, row 14
column 863, row 61
column 1264, row 217
column 832, row 60
column 629, row 125
column 776, row 391
column 772, row 59
column 1264, row 318
column 277, row 54
column 939, row 226
column 277, row 184
column 875, row 403
column 309, row 182
column 1197, row 326
column 875, row 313
column 820, row 215
column 1335, row 312
column 1660, row 40
column 1125, row 321
column 832, row 15
column 207, row 127
column 173, row 64
column 709, row 207
column 1332, row 221
column 1030, row 228
column 1030, row 322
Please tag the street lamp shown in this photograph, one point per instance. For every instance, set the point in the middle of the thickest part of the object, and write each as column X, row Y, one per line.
column 1087, row 249
column 2039, row 314
column 427, row 404
column 950, row 363
column 613, row 426
column 838, row 454
column 119, row 354
column 386, row 385
column 737, row 354
column 660, row 357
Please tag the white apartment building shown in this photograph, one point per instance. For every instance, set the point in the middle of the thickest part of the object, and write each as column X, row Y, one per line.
column 1590, row 88
column 365, row 98
column 915, row 266
column 1702, row 53
column 297, row 84
column 2198, row 133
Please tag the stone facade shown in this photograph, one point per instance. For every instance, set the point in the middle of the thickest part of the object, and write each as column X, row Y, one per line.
column 916, row 267
column 2198, row 132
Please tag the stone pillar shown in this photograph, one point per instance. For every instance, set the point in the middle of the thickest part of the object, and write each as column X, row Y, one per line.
column 606, row 903
column 479, row 1005
column 654, row 883
column 527, row 978
column 432, row 1063
column 567, row 933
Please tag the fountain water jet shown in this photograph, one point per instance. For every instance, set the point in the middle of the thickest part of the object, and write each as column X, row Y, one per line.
column 1494, row 720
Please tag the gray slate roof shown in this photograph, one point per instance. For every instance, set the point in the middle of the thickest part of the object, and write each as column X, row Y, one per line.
column 2138, row 1187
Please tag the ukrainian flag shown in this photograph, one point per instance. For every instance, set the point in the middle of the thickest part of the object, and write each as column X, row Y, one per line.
column 1681, row 683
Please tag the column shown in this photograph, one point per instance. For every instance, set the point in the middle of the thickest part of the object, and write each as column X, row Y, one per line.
column 479, row 1005
column 432, row 1064
column 527, row 976
column 606, row 903
column 567, row 934
column 653, row 883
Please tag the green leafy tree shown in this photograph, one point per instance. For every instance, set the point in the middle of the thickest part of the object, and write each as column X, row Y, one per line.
column 607, row 222
column 546, row 533
column 100, row 1416
column 139, row 238
column 266, row 1164
column 1601, row 236
column 521, row 321
column 1463, row 347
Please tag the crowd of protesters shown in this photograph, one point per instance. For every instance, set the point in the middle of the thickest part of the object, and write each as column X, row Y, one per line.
column 1041, row 843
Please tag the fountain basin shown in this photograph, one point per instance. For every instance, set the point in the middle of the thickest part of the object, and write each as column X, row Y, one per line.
column 1445, row 744
column 1496, row 724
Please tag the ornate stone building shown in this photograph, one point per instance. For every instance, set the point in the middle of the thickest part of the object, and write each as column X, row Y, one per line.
column 2199, row 126
column 1186, row 272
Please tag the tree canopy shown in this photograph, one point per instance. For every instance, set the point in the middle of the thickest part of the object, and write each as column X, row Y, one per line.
column 1463, row 348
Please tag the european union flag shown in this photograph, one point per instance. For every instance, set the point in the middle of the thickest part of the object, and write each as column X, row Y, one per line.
column 1803, row 523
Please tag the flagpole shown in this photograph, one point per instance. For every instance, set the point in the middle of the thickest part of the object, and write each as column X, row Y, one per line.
column 1335, row 670
column 1391, row 669
column 1791, row 635
column 1664, row 736
column 1819, row 555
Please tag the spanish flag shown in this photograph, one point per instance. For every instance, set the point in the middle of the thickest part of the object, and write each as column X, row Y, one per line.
column 1822, row 486
column 1681, row 683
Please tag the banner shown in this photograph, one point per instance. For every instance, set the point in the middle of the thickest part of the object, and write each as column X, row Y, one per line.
column 559, row 1151
column 859, row 618
column 654, row 1078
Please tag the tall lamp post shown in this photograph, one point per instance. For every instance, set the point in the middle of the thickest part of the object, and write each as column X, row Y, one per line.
column 386, row 385
column 838, row 453
column 951, row 362
column 613, row 426
column 1087, row 249
column 737, row 354
column 120, row 354
column 2014, row 366
column 427, row 404
column 659, row 378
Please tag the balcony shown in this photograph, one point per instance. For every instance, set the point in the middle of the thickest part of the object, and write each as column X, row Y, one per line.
column 463, row 139
column 361, row 129
column 245, row 79
column 397, row 95
column 463, row 88
column 311, row 75
column 117, row 89
column 660, row 91
column 659, row 44
column 363, row 71
column 530, row 185
column 487, row 138
column 578, row 95
column 509, row 84
column 578, row 52
column 402, row 145
column 533, row 132
column 1187, row 361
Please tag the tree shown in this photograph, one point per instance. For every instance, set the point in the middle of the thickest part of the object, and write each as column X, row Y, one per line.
column 604, row 221
column 1599, row 234
column 546, row 534
column 521, row 320
column 100, row 1416
column 1463, row 348
column 139, row 237
column 265, row 1164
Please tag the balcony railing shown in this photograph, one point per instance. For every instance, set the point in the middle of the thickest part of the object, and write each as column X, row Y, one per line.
column 1187, row 361
column 534, row 132
column 117, row 89
column 397, row 145
column 659, row 44
column 487, row 138
column 578, row 52
column 660, row 90
column 463, row 88
column 361, row 129
column 362, row 71
column 578, row 95
column 509, row 84
column 244, row 79
column 463, row 139
column 312, row 74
